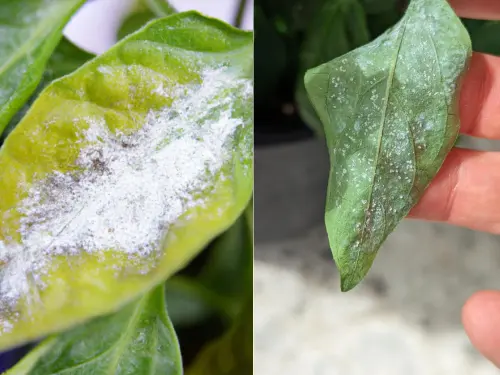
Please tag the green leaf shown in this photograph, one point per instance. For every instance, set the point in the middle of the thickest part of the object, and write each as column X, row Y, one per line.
column 231, row 258
column 65, row 59
column 30, row 31
column 341, row 23
column 390, row 114
column 138, row 339
column 161, row 8
column 224, row 282
column 232, row 354
column 145, row 11
column 121, row 172
column 190, row 301
column 134, row 22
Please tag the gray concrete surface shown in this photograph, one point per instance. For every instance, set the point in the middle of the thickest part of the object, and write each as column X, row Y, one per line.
column 404, row 319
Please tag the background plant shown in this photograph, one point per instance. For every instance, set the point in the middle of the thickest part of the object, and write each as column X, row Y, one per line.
column 200, row 318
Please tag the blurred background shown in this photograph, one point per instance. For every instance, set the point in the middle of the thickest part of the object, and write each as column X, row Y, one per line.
column 404, row 319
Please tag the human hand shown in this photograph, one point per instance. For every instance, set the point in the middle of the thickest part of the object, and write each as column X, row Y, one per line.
column 466, row 192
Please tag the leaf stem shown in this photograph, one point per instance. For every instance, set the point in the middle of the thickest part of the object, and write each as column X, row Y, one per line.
column 238, row 18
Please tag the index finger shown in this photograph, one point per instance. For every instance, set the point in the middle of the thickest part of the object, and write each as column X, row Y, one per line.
column 478, row 9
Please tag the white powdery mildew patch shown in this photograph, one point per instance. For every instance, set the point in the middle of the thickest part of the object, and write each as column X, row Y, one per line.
column 132, row 188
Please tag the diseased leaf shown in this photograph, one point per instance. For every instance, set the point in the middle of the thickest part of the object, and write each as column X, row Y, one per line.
column 138, row 339
column 145, row 11
column 29, row 32
column 232, row 354
column 390, row 113
column 342, row 24
column 65, row 59
column 122, row 171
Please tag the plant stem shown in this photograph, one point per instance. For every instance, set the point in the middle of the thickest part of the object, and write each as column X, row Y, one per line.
column 238, row 19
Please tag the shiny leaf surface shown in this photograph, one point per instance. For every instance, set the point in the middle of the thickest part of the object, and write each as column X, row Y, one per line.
column 139, row 339
column 29, row 32
column 65, row 60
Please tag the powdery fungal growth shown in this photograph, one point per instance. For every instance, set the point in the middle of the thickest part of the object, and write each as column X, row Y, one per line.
column 390, row 115
column 131, row 188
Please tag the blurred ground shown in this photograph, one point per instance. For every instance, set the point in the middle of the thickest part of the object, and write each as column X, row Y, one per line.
column 405, row 317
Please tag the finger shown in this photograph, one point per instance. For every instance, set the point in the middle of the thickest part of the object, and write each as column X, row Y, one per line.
column 481, row 320
column 465, row 192
column 480, row 98
column 478, row 9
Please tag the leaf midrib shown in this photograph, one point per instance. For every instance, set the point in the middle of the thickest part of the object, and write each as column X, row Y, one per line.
column 390, row 80
column 122, row 341
column 29, row 44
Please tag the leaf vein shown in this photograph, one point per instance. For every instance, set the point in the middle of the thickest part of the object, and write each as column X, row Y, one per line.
column 390, row 81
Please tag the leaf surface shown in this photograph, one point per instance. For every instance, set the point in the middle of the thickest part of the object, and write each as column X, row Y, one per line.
column 138, row 339
column 29, row 32
column 122, row 171
column 390, row 114
column 66, row 59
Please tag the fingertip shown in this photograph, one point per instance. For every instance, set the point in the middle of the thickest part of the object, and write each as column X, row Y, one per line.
column 481, row 320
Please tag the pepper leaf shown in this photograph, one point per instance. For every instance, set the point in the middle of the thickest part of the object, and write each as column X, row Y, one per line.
column 161, row 8
column 30, row 30
column 390, row 114
column 228, row 269
column 66, row 59
column 190, row 302
column 122, row 171
column 138, row 339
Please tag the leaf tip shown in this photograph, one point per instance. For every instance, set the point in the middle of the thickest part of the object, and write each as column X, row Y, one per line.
column 348, row 282
column 353, row 274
